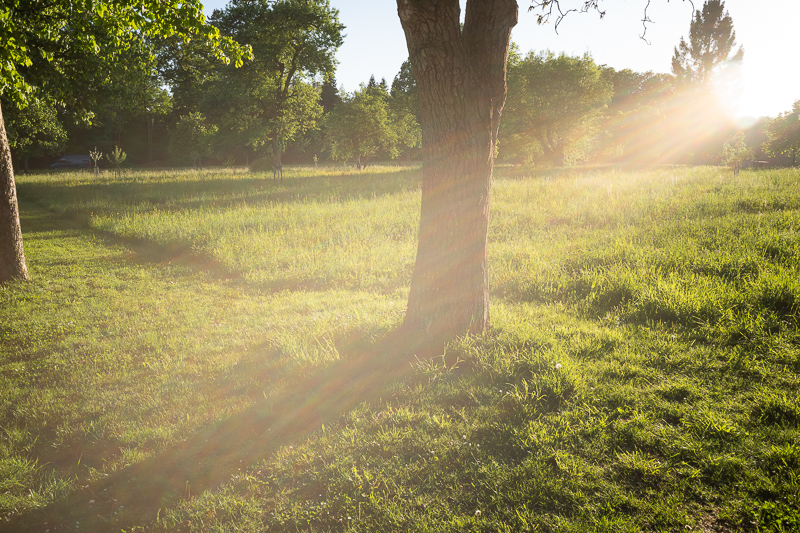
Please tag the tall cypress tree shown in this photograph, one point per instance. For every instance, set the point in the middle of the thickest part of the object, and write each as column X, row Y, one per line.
column 711, row 41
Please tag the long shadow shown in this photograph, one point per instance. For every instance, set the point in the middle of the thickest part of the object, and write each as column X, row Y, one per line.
column 196, row 193
column 296, row 406
column 208, row 458
column 223, row 192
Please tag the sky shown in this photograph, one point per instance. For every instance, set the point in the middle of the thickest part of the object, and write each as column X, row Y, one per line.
column 770, row 81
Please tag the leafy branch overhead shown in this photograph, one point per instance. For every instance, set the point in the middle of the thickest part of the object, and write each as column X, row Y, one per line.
column 61, row 33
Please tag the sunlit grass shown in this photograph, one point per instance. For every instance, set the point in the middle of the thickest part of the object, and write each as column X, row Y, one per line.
column 641, row 373
column 318, row 228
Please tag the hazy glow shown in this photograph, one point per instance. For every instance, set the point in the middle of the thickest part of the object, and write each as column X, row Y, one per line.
column 375, row 43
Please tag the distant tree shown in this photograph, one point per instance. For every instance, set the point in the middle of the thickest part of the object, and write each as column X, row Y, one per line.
column 272, row 99
column 705, row 68
column 405, row 93
column 185, row 68
column 116, row 157
column 245, row 110
column 405, row 110
column 96, row 156
column 129, row 106
column 33, row 131
column 156, row 105
column 554, row 105
column 360, row 127
column 329, row 95
column 45, row 45
column 191, row 139
column 633, row 91
column 632, row 129
column 711, row 41
column 406, row 129
column 404, row 82
column 783, row 133
column 735, row 152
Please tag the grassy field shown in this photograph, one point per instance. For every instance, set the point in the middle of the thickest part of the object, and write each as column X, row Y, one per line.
column 213, row 351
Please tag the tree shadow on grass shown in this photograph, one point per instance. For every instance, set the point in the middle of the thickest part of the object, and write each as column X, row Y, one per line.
column 217, row 192
column 208, row 458
column 295, row 403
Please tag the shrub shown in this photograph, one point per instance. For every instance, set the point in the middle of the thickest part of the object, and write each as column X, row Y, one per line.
column 262, row 164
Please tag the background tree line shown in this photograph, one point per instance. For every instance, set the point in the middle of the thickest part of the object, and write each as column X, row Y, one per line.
column 169, row 102
column 173, row 103
column 570, row 110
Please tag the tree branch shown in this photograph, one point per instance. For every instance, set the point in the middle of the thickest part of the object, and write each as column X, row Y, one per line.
column 548, row 7
column 551, row 7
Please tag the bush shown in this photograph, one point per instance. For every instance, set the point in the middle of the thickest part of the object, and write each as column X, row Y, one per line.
column 262, row 164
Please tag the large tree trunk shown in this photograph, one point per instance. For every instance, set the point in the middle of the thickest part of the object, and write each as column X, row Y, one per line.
column 461, row 78
column 12, row 256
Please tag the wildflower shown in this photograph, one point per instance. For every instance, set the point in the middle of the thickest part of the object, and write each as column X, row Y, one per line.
column 478, row 513
column 558, row 366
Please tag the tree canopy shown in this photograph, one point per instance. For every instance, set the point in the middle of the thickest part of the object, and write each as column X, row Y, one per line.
column 271, row 99
column 365, row 124
column 34, row 130
column 64, row 33
column 554, row 105
column 784, row 133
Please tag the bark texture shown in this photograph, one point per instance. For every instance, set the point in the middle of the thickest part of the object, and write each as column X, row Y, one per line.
column 461, row 74
column 12, row 256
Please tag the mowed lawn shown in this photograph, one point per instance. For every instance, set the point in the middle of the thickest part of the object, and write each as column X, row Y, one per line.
column 213, row 351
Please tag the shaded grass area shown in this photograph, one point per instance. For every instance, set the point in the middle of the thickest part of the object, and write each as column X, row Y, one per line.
column 641, row 374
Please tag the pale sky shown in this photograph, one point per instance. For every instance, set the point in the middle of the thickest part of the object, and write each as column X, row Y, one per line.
column 375, row 44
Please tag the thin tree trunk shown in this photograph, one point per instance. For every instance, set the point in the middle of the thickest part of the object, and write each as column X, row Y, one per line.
column 12, row 255
column 461, row 79
column 277, row 151
column 150, row 124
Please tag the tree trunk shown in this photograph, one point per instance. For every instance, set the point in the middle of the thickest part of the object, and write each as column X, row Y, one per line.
column 277, row 151
column 558, row 157
column 461, row 80
column 12, row 255
column 150, row 124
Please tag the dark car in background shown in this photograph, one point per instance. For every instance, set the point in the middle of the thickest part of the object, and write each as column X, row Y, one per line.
column 72, row 162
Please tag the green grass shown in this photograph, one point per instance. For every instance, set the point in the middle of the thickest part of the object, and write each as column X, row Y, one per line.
column 211, row 351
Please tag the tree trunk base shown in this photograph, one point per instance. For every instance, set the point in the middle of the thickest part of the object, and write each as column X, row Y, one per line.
column 12, row 256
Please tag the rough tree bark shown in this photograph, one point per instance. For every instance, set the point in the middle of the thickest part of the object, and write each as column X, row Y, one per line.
column 12, row 256
column 461, row 75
